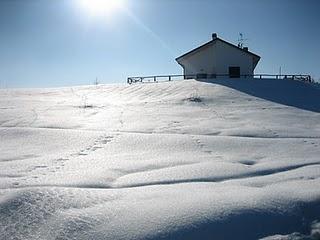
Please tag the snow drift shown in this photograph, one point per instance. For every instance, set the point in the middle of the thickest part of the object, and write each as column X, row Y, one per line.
column 226, row 159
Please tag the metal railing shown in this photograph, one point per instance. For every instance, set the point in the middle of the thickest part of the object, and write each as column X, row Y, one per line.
column 159, row 78
column 163, row 78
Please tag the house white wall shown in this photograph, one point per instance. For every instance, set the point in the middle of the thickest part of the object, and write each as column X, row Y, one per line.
column 216, row 58
column 227, row 56
column 201, row 61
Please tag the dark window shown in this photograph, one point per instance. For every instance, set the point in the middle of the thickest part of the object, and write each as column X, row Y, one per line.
column 234, row 72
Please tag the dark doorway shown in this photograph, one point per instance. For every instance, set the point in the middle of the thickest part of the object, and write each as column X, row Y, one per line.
column 234, row 72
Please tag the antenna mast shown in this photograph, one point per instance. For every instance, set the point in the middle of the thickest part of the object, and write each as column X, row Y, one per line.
column 241, row 40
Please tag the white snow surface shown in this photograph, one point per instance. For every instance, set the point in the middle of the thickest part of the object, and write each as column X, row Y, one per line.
column 226, row 159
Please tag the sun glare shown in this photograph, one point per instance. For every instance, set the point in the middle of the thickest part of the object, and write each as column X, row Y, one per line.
column 102, row 7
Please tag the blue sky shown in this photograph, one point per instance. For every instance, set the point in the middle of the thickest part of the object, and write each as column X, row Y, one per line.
column 46, row 43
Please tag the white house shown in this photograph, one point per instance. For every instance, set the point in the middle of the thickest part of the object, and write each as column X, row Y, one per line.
column 218, row 57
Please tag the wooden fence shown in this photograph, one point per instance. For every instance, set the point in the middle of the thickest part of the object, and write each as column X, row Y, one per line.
column 163, row 78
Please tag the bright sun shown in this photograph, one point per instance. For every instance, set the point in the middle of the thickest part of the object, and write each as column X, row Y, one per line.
column 102, row 7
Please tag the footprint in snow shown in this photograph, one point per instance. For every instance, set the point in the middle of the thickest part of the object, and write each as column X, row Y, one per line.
column 61, row 159
column 102, row 140
column 247, row 162
column 82, row 154
column 96, row 148
column 39, row 167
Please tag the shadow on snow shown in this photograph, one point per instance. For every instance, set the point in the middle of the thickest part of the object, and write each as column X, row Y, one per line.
column 287, row 92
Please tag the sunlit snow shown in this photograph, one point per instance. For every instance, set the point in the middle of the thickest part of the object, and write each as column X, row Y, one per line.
column 228, row 159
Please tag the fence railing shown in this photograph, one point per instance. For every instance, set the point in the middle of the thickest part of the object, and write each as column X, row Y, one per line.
column 163, row 78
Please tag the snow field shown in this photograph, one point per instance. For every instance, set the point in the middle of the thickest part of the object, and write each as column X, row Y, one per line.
column 147, row 161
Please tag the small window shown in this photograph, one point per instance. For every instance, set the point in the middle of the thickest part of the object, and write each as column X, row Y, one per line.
column 234, row 72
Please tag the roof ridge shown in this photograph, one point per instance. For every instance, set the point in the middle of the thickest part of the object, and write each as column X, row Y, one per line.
column 213, row 40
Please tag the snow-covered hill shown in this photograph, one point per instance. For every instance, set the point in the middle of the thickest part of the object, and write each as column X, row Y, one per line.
column 228, row 159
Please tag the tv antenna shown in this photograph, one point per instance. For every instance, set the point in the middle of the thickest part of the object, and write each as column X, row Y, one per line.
column 241, row 40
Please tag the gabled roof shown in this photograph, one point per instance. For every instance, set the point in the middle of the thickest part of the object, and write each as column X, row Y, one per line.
column 211, row 42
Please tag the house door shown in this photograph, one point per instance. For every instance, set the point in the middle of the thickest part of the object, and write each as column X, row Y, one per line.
column 234, row 72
